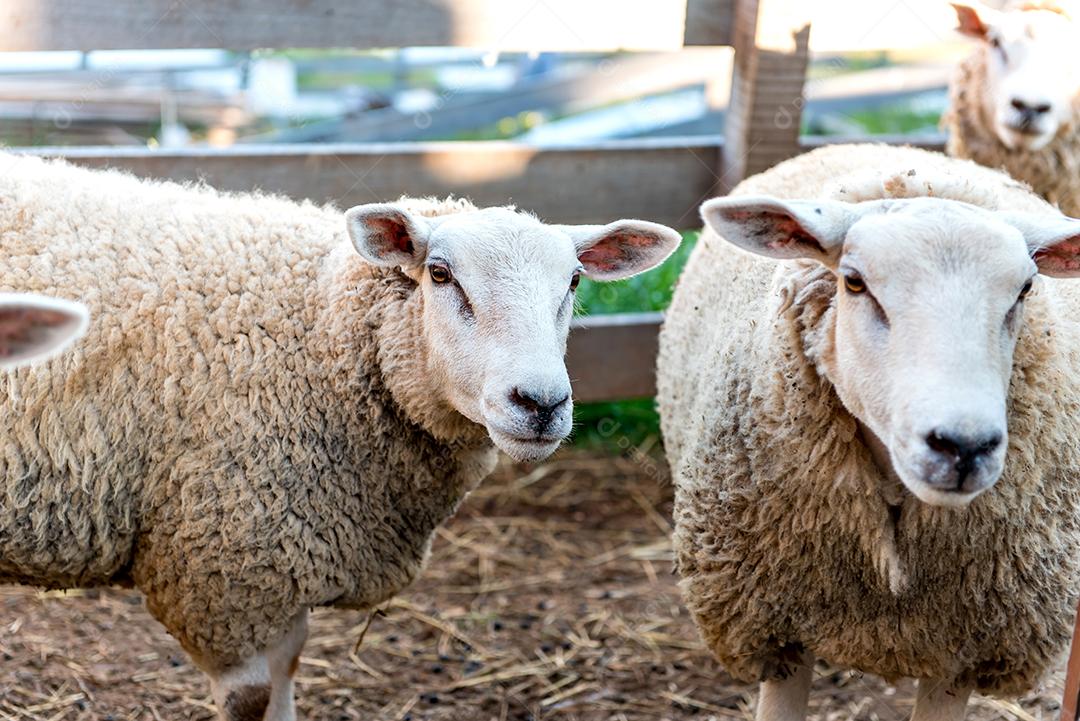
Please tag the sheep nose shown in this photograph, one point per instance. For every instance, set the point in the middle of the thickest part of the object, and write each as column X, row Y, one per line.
column 540, row 405
column 1029, row 111
column 963, row 452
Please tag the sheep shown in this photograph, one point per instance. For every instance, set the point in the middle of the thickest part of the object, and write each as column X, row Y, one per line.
column 1015, row 101
column 34, row 327
column 277, row 403
column 875, row 441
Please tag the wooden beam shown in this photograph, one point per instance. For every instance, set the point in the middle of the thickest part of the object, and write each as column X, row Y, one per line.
column 660, row 180
column 613, row 357
column 1070, row 703
column 772, row 39
column 486, row 24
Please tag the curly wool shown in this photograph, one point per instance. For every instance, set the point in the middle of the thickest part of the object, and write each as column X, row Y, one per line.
column 788, row 536
column 1053, row 171
column 249, row 428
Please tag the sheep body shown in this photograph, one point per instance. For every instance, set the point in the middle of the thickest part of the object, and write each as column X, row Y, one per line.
column 1052, row 171
column 787, row 535
column 246, row 432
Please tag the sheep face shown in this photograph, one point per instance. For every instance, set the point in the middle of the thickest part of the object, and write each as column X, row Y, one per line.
column 498, row 296
column 34, row 327
column 928, row 308
column 1032, row 88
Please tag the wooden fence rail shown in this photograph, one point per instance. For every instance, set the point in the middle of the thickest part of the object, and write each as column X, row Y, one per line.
column 659, row 180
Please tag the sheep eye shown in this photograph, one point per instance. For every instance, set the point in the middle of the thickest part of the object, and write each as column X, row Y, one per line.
column 1024, row 291
column 854, row 284
column 575, row 279
column 996, row 44
column 440, row 274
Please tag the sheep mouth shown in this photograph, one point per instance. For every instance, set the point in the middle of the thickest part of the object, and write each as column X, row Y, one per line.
column 525, row 448
column 1026, row 138
column 1025, row 130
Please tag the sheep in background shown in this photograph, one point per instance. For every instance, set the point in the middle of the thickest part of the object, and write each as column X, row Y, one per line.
column 35, row 327
column 1015, row 101
column 876, row 441
column 277, row 403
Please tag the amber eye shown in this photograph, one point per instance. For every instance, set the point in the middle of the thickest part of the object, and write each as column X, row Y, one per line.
column 854, row 284
column 575, row 280
column 440, row 274
column 1024, row 291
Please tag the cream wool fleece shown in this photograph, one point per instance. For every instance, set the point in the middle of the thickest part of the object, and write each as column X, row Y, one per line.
column 788, row 537
column 248, row 429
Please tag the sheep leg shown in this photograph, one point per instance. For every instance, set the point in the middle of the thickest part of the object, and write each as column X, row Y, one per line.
column 261, row 687
column 786, row 699
column 940, row 701
column 284, row 659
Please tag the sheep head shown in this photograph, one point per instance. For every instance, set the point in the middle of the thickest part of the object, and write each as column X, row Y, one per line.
column 1031, row 87
column 929, row 305
column 34, row 327
column 498, row 295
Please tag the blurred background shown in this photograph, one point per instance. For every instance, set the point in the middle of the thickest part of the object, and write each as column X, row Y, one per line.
column 876, row 68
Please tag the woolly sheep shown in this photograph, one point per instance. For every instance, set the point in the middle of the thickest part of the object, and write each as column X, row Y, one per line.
column 1015, row 101
column 277, row 404
column 34, row 327
column 875, row 442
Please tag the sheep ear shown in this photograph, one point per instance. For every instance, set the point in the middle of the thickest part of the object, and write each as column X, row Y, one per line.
column 782, row 228
column 623, row 248
column 34, row 327
column 388, row 235
column 1054, row 242
column 974, row 19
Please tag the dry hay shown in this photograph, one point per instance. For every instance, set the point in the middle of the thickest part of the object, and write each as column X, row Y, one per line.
column 549, row 596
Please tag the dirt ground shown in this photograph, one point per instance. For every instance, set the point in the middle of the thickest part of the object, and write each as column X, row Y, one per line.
column 549, row 596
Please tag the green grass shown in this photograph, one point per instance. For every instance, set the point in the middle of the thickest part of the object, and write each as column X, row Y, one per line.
column 618, row 427
column 895, row 119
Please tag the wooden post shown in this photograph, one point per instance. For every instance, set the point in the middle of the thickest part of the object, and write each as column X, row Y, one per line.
column 772, row 39
column 1070, row 705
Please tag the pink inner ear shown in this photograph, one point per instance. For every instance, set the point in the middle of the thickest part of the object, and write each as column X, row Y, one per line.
column 602, row 257
column 969, row 22
column 789, row 232
column 19, row 326
column 776, row 230
column 394, row 233
column 615, row 250
column 1060, row 258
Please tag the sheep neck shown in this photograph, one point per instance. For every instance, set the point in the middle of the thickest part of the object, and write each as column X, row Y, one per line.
column 373, row 319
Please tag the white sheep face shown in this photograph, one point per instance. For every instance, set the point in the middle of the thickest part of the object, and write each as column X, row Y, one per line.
column 34, row 327
column 1033, row 79
column 928, row 308
column 498, row 291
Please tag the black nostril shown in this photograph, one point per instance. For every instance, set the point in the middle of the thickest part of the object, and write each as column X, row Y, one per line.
column 532, row 404
column 964, row 450
column 524, row 401
column 1030, row 109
